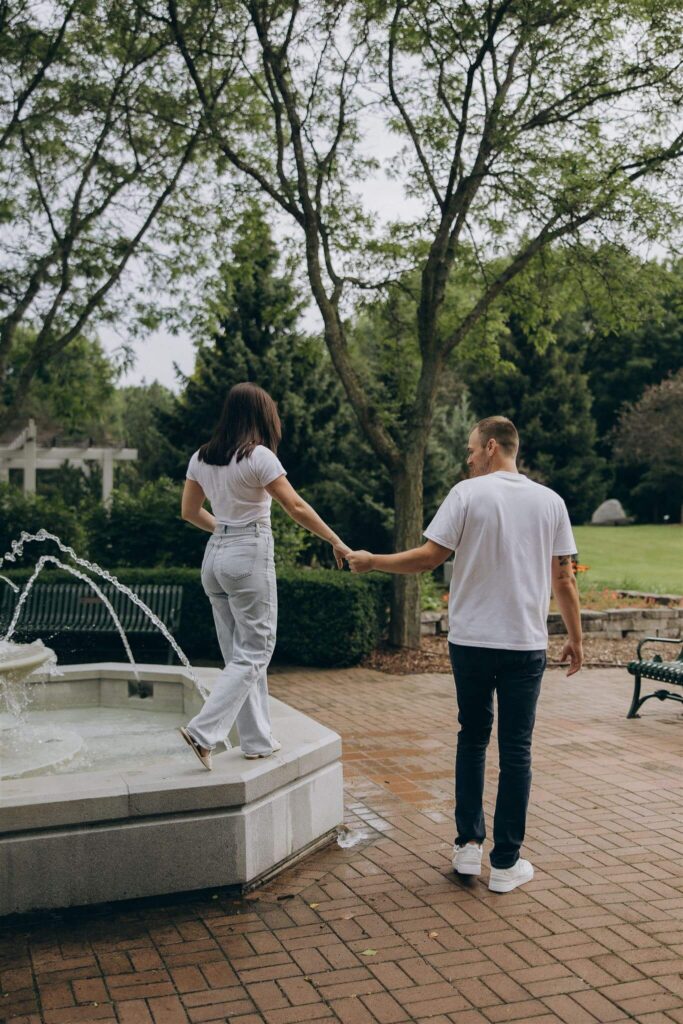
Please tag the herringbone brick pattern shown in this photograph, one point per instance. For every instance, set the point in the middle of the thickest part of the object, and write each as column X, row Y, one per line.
column 383, row 932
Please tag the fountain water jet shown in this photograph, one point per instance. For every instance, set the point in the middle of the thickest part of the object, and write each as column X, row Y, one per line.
column 42, row 561
column 16, row 550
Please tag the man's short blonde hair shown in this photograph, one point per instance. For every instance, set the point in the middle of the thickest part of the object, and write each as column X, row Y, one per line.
column 502, row 430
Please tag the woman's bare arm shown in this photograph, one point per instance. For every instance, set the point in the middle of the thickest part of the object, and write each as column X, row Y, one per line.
column 192, row 507
column 305, row 515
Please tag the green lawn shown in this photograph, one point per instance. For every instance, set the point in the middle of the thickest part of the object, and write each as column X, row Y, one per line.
column 632, row 557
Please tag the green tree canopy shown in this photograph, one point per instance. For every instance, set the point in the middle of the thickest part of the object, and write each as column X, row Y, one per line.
column 250, row 331
column 69, row 396
column 649, row 444
column 524, row 125
column 95, row 146
column 622, row 363
column 133, row 419
column 546, row 394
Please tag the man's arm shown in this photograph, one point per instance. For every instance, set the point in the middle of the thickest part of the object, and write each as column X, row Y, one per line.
column 567, row 597
column 421, row 559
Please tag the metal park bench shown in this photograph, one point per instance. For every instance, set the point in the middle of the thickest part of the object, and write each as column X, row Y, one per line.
column 75, row 608
column 655, row 668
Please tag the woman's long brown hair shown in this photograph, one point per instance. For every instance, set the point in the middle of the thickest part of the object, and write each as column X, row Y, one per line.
column 249, row 417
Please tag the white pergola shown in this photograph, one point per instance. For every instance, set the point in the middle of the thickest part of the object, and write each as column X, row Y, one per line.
column 24, row 453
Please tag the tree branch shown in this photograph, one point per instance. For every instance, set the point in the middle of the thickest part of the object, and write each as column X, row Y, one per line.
column 208, row 107
column 335, row 335
column 27, row 92
column 407, row 120
column 46, row 347
column 550, row 233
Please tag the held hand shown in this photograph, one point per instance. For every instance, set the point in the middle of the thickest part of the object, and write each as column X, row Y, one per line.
column 341, row 550
column 359, row 561
column 572, row 650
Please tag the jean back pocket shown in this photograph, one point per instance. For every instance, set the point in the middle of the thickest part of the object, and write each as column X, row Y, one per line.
column 238, row 556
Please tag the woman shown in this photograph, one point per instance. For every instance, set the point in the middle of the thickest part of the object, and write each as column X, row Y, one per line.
column 239, row 472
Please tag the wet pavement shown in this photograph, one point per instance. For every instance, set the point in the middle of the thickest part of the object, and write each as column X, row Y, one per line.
column 382, row 931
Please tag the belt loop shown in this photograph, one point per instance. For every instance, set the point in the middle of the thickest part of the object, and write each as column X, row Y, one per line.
column 258, row 529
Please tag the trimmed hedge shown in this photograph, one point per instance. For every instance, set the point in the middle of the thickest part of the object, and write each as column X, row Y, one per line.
column 326, row 617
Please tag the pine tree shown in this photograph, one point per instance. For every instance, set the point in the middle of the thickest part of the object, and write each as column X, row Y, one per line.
column 621, row 365
column 545, row 393
column 253, row 333
column 252, row 323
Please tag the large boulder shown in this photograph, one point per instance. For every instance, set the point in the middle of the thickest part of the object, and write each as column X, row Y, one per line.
column 610, row 513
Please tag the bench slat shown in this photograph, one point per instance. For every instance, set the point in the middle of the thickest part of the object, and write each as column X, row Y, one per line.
column 75, row 608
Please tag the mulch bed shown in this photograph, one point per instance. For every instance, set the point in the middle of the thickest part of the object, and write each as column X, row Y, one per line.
column 433, row 655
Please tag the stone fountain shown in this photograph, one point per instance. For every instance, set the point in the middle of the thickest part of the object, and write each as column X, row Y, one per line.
column 101, row 800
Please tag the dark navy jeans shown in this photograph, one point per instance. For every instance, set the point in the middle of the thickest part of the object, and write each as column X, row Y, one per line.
column 515, row 678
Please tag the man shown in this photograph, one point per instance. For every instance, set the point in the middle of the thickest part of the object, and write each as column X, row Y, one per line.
column 511, row 538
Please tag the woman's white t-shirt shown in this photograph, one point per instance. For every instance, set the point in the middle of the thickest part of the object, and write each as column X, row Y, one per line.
column 237, row 491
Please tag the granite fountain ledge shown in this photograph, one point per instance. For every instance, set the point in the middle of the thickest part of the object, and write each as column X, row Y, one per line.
column 90, row 836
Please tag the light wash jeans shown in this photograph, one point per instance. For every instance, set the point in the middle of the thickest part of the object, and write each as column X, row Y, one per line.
column 238, row 575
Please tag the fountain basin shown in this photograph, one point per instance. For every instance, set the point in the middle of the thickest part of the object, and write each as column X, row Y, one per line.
column 148, row 827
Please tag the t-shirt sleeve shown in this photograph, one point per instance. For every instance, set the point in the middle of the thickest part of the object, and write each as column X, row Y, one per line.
column 265, row 466
column 564, row 543
column 446, row 526
column 192, row 468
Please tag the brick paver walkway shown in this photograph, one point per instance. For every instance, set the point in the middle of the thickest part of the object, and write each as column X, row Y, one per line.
column 383, row 932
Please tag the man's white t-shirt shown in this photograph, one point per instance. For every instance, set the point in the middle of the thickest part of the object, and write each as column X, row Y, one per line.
column 237, row 491
column 504, row 529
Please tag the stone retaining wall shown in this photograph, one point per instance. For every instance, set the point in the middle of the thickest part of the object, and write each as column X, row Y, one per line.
column 613, row 624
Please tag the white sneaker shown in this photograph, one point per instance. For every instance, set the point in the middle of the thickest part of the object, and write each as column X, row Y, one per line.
column 276, row 746
column 467, row 859
column 507, row 879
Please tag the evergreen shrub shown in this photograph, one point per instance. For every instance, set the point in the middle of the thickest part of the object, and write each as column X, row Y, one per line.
column 326, row 617
column 31, row 512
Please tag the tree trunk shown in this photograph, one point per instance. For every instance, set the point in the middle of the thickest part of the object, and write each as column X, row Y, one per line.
column 404, row 629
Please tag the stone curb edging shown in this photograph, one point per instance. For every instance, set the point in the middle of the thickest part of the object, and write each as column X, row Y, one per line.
column 612, row 624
